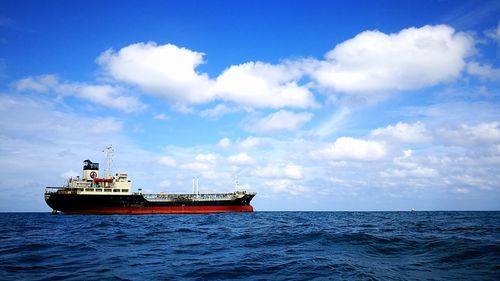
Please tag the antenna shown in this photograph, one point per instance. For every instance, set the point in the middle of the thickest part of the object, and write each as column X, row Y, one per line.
column 193, row 186
column 197, row 185
column 236, row 183
column 109, row 160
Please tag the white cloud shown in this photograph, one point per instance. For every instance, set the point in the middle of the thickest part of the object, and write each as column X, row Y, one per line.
column 485, row 71
column 37, row 119
column 164, row 70
column 488, row 132
column 413, row 58
column 430, row 171
column 286, row 186
column 224, row 143
column 250, row 143
column 196, row 166
column 408, row 167
column 418, row 172
column 161, row 116
column 208, row 158
column 254, row 142
column 370, row 62
column 38, row 132
column 494, row 33
column 346, row 148
column 170, row 71
column 468, row 180
column 291, row 171
column 259, row 84
column 167, row 161
column 105, row 95
column 279, row 121
column 268, row 171
column 41, row 84
column 240, row 159
column 217, row 111
column 105, row 126
column 404, row 132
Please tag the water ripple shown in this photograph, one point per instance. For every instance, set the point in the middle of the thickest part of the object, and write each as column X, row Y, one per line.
column 256, row 246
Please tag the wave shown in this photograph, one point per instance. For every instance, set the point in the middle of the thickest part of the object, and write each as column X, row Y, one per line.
column 261, row 245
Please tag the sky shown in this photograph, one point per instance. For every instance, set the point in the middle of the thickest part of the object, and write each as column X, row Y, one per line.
column 314, row 105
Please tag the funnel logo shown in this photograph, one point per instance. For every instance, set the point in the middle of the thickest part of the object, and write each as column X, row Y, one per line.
column 93, row 175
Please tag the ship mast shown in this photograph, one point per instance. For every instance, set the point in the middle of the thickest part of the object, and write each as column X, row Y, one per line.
column 236, row 183
column 109, row 159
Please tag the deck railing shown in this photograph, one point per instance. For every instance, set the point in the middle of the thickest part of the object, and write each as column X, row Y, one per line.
column 192, row 196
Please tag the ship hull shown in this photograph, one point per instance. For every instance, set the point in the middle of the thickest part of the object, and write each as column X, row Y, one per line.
column 137, row 204
column 161, row 210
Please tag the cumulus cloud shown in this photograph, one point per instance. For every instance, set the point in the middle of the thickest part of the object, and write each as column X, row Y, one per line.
column 371, row 62
column 261, row 84
column 404, row 132
column 104, row 95
column 170, row 71
column 240, row 159
column 282, row 120
column 346, row 148
column 224, row 143
column 165, row 70
column 413, row 58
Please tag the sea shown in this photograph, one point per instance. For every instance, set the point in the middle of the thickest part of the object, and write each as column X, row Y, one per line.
column 252, row 246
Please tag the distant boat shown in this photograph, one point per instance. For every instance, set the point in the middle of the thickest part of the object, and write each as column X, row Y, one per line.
column 113, row 195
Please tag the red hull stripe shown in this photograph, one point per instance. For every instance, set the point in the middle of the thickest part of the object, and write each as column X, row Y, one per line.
column 163, row 210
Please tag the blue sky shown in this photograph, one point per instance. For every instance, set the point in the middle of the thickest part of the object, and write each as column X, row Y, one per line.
column 315, row 105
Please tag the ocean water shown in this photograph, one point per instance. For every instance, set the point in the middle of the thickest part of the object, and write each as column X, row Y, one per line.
column 252, row 246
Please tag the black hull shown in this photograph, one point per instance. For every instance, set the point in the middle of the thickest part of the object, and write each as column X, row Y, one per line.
column 137, row 204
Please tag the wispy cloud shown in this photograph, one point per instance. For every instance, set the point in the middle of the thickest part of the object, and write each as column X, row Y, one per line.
column 104, row 95
column 468, row 15
column 278, row 122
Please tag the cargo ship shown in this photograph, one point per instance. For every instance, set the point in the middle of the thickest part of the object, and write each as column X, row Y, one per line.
column 112, row 194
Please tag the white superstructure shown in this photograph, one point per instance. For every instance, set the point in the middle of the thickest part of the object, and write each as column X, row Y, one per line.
column 91, row 183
